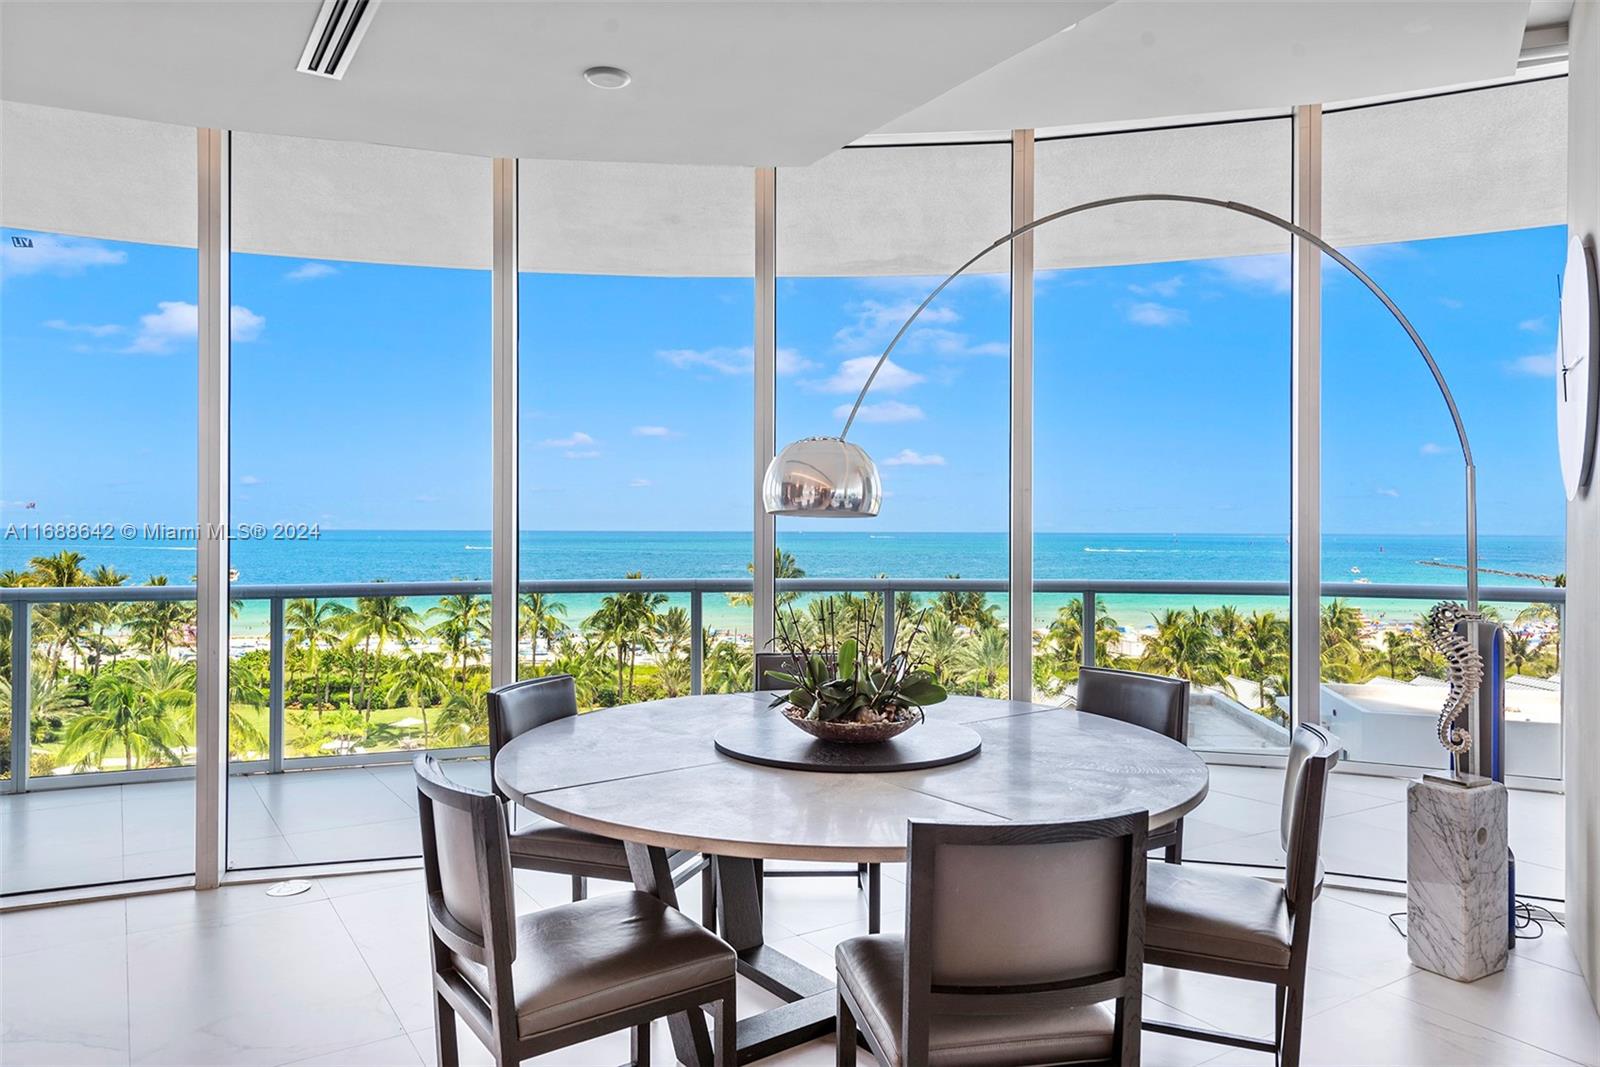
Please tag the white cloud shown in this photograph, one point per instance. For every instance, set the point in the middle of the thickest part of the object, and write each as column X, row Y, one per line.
column 56, row 255
column 640, row 483
column 653, row 431
column 909, row 458
column 90, row 328
column 1166, row 288
column 731, row 360
column 1534, row 366
column 886, row 411
column 852, row 374
column 1432, row 448
column 249, row 479
column 1269, row 273
column 306, row 272
column 576, row 438
column 584, row 453
column 1388, row 492
column 1532, row 325
column 1148, row 313
column 876, row 322
column 1452, row 303
column 951, row 343
column 178, row 320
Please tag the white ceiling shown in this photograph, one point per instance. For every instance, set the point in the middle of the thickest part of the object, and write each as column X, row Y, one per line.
column 1143, row 59
column 741, row 83
column 746, row 83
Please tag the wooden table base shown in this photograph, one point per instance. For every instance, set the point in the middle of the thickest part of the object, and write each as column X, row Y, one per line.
column 808, row 1011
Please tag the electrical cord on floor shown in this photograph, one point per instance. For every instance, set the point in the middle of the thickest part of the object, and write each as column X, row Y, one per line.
column 1529, row 916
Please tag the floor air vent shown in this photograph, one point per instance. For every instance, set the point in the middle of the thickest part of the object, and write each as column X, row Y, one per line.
column 338, row 30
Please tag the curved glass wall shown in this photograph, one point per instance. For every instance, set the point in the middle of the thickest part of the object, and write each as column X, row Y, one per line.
column 97, row 498
column 636, row 418
column 361, row 443
column 863, row 235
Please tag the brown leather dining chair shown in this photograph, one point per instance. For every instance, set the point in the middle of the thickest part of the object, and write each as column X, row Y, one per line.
column 540, row 844
column 1152, row 701
column 1024, row 944
column 533, row 983
column 868, row 876
column 1233, row 925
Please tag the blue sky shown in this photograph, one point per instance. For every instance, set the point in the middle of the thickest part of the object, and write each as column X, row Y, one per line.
column 361, row 393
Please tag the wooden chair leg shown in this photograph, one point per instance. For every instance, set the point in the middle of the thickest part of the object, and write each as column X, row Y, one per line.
column 639, row 1041
column 1289, row 1043
column 445, row 1050
column 580, row 888
column 708, row 895
column 861, row 876
column 725, row 1022
column 845, row 1035
column 1174, row 851
column 1277, row 1015
column 874, row 898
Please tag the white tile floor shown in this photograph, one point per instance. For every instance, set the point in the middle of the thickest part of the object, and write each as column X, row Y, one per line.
column 339, row 976
column 327, row 816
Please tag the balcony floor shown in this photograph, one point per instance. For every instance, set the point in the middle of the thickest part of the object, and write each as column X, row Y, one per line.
column 338, row 975
column 68, row 837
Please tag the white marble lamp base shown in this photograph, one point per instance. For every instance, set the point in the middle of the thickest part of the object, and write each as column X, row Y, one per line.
column 1456, row 888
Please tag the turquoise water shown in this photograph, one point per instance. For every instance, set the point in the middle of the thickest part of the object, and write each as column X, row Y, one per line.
column 444, row 555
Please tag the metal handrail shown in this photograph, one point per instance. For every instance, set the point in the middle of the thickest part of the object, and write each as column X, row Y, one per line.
column 22, row 599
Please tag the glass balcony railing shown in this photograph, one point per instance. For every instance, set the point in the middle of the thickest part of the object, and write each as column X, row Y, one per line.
column 100, row 686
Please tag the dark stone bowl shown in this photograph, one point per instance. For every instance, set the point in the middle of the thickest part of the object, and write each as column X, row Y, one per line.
column 851, row 733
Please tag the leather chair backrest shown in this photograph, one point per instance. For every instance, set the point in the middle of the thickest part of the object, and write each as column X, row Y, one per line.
column 1312, row 753
column 518, row 707
column 1010, row 915
column 466, row 865
column 1148, row 700
column 779, row 661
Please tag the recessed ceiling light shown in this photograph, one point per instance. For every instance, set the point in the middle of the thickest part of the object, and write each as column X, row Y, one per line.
column 607, row 77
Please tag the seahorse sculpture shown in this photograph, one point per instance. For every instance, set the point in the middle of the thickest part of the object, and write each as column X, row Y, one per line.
column 1464, row 666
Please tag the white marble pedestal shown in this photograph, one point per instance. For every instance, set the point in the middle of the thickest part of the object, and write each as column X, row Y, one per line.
column 1456, row 889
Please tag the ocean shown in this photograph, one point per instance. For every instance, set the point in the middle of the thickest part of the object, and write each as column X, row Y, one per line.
column 445, row 555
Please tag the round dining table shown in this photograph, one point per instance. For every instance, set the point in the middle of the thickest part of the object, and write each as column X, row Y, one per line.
column 651, row 775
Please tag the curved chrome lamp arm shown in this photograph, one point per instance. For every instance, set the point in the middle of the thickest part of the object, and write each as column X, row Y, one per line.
column 1283, row 224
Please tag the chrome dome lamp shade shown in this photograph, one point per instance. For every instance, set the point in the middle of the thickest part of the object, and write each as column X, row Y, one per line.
column 823, row 477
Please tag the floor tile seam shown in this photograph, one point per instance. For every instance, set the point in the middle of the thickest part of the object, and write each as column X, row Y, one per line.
column 1481, row 1024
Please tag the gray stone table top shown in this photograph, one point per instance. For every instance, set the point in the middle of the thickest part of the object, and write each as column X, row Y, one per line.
column 650, row 773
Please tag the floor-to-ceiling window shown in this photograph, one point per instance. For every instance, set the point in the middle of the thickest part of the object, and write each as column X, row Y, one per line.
column 360, row 488
column 862, row 237
column 1454, row 205
column 636, row 426
column 97, row 496
column 1161, row 420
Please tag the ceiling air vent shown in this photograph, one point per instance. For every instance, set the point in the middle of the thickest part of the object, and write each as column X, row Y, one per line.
column 338, row 30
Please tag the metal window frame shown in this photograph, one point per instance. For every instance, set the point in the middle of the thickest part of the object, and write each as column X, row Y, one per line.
column 764, row 541
column 505, row 539
column 1305, row 424
column 1019, row 596
column 214, row 180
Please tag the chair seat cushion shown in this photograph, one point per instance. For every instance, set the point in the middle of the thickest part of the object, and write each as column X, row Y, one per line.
column 538, row 838
column 1219, row 914
column 582, row 960
column 873, row 970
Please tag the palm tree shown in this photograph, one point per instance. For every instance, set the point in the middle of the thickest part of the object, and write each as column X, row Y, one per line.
column 156, row 625
column 104, row 615
column 463, row 622
column 314, row 623
column 136, row 708
column 985, row 662
column 1544, row 613
column 938, row 645
column 1185, row 646
column 540, row 616
column 1262, row 655
column 969, row 609
column 464, row 718
column 673, row 633
column 419, row 682
column 783, row 566
column 1062, row 646
column 61, row 625
column 381, row 619
column 729, row 668
column 1401, row 653
column 626, row 622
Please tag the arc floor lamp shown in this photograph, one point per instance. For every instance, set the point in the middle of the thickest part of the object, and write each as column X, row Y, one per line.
column 831, row 477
